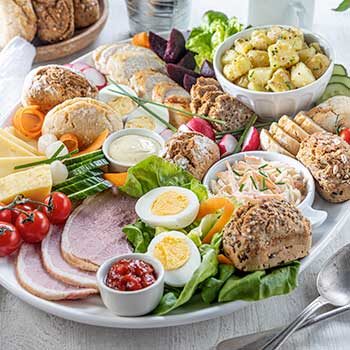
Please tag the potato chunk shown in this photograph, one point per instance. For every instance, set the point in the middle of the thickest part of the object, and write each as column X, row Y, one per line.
column 306, row 54
column 295, row 37
column 243, row 45
column 240, row 66
column 301, row 75
column 228, row 57
column 317, row 47
column 259, row 40
column 242, row 81
column 282, row 55
column 280, row 81
column 260, row 76
column 274, row 34
column 318, row 64
column 256, row 87
column 258, row 58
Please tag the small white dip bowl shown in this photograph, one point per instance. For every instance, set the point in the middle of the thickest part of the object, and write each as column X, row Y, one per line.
column 316, row 217
column 131, row 303
column 122, row 167
column 272, row 105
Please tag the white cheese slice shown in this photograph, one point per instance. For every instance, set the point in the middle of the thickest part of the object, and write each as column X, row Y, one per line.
column 7, row 164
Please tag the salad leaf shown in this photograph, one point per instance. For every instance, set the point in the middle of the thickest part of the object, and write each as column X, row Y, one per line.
column 345, row 5
column 202, row 228
column 155, row 172
column 214, row 29
column 261, row 284
column 139, row 235
column 212, row 285
column 207, row 268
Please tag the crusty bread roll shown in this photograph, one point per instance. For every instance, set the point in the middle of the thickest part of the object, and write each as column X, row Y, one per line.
column 84, row 117
column 17, row 17
column 55, row 19
column 48, row 86
column 86, row 12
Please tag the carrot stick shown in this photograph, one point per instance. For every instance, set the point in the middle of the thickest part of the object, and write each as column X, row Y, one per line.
column 222, row 259
column 141, row 39
column 97, row 144
column 117, row 179
column 71, row 141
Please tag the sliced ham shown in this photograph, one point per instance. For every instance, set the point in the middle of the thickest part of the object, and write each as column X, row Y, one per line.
column 33, row 277
column 93, row 233
column 58, row 268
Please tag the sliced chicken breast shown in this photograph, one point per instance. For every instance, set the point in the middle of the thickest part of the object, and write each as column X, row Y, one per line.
column 286, row 141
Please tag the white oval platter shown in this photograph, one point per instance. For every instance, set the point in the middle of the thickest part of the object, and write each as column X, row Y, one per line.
column 92, row 311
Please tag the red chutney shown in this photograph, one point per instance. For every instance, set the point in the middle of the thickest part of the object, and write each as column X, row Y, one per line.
column 130, row 275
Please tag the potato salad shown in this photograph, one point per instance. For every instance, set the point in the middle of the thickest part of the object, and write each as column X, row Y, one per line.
column 275, row 59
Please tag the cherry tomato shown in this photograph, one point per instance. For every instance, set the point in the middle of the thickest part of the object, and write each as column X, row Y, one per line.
column 33, row 226
column 10, row 239
column 26, row 207
column 59, row 208
column 5, row 214
column 345, row 134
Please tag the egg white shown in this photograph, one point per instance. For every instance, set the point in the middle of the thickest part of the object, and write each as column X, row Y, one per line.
column 180, row 276
column 184, row 218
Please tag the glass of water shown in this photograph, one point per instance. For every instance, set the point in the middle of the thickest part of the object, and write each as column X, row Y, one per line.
column 158, row 15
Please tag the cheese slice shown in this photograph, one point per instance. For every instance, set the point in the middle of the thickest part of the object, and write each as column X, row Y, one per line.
column 7, row 164
column 9, row 149
column 11, row 137
column 11, row 130
column 35, row 183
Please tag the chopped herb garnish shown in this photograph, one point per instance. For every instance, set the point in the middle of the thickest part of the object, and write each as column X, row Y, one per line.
column 264, row 188
column 253, row 182
column 279, row 170
column 280, row 183
column 262, row 173
column 263, row 166
column 236, row 173
column 241, row 187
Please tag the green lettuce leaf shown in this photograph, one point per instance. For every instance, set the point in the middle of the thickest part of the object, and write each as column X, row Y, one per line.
column 155, row 172
column 261, row 284
column 139, row 235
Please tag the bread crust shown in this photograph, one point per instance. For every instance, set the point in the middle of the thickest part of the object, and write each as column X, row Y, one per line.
column 17, row 17
column 86, row 12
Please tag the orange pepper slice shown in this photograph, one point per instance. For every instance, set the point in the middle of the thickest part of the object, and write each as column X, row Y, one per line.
column 211, row 206
column 71, row 141
column 222, row 259
column 117, row 179
column 97, row 144
column 141, row 39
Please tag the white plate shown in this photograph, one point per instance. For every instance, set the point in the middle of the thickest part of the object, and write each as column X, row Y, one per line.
column 92, row 311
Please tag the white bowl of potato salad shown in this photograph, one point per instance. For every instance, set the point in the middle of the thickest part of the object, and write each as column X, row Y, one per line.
column 275, row 70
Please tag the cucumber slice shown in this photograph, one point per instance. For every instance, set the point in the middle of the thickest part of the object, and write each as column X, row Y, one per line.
column 334, row 89
column 339, row 69
column 100, row 187
column 81, row 185
column 77, row 178
column 82, row 158
column 87, row 167
column 340, row 79
column 87, row 161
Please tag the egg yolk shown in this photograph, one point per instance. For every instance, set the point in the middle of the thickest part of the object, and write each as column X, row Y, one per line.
column 142, row 122
column 169, row 203
column 172, row 252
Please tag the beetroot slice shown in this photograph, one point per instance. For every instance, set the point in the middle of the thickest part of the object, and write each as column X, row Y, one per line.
column 177, row 73
column 207, row 69
column 189, row 81
column 158, row 44
column 175, row 48
column 188, row 61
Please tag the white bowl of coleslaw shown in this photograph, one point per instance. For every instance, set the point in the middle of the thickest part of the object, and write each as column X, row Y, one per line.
column 258, row 174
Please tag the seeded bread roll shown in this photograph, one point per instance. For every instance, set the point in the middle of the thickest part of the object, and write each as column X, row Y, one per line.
column 55, row 19
column 84, row 117
column 193, row 152
column 327, row 156
column 86, row 12
column 265, row 234
column 48, row 86
column 16, row 18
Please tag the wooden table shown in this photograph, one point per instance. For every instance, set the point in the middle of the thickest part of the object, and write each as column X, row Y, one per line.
column 23, row 327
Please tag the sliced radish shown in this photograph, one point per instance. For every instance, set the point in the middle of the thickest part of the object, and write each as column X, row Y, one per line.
column 252, row 140
column 184, row 128
column 79, row 66
column 227, row 145
column 69, row 65
column 95, row 77
column 202, row 126
column 166, row 134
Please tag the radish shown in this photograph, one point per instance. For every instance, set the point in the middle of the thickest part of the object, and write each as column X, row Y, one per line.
column 227, row 145
column 79, row 66
column 252, row 140
column 95, row 77
column 184, row 128
column 166, row 134
column 202, row 126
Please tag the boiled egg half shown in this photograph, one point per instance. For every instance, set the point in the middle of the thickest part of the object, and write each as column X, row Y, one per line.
column 170, row 206
column 178, row 255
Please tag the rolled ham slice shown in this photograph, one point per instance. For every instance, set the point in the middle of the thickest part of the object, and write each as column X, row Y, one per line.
column 33, row 277
column 57, row 267
column 93, row 233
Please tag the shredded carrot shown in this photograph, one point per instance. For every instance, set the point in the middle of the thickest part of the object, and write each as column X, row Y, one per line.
column 71, row 141
column 211, row 206
column 141, row 39
column 117, row 179
column 97, row 144
column 222, row 259
column 28, row 121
